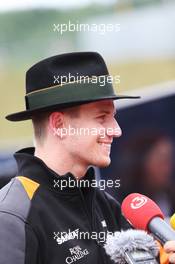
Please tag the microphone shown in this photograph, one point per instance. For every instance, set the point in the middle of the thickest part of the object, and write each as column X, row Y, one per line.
column 144, row 214
column 132, row 247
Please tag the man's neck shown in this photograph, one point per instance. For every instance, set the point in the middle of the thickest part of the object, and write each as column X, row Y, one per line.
column 61, row 163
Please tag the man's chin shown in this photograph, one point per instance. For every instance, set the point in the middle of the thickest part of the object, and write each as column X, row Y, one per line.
column 104, row 163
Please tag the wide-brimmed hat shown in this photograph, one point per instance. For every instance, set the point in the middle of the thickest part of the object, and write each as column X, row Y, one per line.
column 64, row 81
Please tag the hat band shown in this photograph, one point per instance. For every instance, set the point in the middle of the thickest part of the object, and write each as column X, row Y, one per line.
column 68, row 93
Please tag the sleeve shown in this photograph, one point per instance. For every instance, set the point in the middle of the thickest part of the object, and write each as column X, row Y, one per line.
column 18, row 242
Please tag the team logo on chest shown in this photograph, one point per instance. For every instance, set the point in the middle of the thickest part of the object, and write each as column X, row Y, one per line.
column 76, row 253
column 62, row 237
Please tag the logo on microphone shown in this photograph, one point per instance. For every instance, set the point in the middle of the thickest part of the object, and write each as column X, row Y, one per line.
column 138, row 202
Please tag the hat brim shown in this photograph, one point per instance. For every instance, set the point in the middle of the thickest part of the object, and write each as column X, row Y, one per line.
column 27, row 114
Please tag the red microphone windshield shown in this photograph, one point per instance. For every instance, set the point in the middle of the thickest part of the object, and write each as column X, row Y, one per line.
column 138, row 209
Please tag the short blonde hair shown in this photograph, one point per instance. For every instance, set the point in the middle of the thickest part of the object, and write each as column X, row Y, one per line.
column 40, row 122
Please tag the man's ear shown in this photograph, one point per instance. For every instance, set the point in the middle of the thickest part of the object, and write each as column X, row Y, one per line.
column 56, row 122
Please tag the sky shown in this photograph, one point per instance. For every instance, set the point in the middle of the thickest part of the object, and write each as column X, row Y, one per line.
column 9, row 5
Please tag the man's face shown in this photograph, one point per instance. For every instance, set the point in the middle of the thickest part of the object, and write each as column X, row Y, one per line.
column 93, row 130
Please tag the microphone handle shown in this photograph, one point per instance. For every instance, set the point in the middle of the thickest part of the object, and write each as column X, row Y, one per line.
column 161, row 230
column 139, row 257
column 129, row 258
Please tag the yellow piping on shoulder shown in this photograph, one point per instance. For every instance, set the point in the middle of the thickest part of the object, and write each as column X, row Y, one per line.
column 29, row 185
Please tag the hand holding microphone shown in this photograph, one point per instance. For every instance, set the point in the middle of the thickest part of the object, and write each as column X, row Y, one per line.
column 169, row 248
column 144, row 214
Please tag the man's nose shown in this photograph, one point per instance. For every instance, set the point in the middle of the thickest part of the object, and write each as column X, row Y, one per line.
column 115, row 130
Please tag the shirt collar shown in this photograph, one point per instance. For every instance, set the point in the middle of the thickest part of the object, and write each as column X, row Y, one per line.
column 34, row 168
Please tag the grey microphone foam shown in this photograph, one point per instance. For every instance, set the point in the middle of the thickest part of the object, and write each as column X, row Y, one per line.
column 131, row 246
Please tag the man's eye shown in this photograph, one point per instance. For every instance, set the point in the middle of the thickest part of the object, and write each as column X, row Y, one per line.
column 101, row 117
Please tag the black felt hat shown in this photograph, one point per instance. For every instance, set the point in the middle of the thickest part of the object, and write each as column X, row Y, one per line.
column 64, row 81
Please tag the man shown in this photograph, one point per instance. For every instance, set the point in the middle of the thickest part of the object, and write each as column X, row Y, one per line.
column 44, row 209
column 169, row 248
